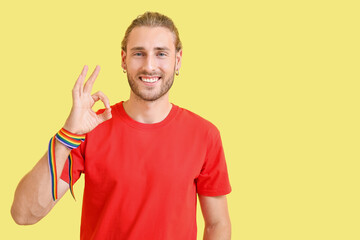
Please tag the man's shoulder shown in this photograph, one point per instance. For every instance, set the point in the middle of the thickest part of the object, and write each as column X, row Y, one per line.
column 195, row 120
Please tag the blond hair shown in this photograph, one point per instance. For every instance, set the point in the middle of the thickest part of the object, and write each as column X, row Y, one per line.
column 152, row 19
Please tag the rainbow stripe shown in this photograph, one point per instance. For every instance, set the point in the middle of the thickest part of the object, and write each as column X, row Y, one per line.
column 71, row 141
column 68, row 140
column 52, row 166
column 73, row 136
column 71, row 176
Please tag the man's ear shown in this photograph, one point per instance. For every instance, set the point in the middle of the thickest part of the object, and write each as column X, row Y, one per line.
column 123, row 58
column 178, row 60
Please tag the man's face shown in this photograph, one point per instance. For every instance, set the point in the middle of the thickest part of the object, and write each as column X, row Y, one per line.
column 151, row 61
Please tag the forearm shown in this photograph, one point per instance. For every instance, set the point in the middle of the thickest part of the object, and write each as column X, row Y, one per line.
column 220, row 231
column 33, row 198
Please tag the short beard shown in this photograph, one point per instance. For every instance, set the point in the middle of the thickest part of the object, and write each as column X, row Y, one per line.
column 163, row 90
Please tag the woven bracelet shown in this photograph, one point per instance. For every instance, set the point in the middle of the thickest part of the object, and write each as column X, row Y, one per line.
column 71, row 141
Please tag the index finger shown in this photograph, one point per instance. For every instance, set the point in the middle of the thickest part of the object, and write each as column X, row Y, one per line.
column 90, row 82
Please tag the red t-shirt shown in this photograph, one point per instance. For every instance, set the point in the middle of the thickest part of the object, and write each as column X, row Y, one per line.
column 141, row 179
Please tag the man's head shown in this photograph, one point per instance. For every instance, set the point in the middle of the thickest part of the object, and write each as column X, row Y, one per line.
column 151, row 54
column 152, row 19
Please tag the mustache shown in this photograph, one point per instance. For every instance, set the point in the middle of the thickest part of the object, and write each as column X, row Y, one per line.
column 150, row 74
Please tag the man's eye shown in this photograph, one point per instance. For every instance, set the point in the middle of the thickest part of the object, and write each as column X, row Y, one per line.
column 138, row 54
column 162, row 54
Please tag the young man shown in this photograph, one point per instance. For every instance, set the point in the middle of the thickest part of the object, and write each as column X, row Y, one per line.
column 144, row 159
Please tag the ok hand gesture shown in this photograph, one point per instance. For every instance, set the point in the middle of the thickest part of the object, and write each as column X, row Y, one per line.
column 82, row 118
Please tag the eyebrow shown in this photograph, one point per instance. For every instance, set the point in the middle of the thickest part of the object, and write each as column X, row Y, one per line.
column 156, row 48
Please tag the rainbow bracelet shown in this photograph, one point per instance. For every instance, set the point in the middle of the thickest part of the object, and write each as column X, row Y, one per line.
column 71, row 141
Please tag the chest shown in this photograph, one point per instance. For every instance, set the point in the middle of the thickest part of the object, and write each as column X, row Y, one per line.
column 144, row 160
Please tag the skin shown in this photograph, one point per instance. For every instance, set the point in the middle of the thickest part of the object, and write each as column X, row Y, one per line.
column 33, row 200
column 155, row 57
column 150, row 53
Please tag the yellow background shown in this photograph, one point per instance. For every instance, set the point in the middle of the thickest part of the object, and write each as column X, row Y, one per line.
column 280, row 79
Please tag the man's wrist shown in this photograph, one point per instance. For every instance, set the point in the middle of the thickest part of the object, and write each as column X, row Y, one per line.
column 72, row 129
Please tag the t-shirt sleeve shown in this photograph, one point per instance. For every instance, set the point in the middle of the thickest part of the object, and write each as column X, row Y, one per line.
column 78, row 164
column 213, row 179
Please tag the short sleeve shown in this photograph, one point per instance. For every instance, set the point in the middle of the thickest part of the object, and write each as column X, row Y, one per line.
column 78, row 164
column 213, row 179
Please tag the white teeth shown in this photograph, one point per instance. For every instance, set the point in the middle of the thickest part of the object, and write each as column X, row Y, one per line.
column 150, row 80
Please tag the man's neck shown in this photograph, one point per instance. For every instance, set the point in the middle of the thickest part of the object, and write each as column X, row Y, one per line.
column 147, row 111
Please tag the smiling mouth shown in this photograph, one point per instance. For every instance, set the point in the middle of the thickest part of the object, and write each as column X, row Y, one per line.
column 150, row 79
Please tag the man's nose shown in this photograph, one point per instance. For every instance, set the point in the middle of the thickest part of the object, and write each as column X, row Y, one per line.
column 150, row 63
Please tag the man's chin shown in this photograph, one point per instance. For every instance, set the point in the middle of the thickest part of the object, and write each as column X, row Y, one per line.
column 151, row 98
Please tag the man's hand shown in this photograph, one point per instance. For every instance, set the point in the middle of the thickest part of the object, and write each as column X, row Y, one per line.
column 33, row 198
column 82, row 118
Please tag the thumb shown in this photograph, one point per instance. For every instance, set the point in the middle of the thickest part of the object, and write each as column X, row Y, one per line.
column 106, row 115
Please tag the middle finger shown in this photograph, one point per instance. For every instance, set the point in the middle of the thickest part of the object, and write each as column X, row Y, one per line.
column 90, row 82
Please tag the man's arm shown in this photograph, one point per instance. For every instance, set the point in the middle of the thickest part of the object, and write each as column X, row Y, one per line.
column 33, row 198
column 216, row 216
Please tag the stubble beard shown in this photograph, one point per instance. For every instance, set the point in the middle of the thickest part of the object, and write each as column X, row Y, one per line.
column 166, row 84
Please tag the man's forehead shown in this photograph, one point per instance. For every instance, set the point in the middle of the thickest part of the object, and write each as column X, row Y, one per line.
column 155, row 48
column 146, row 38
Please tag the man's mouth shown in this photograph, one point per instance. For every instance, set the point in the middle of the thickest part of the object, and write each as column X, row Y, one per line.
column 149, row 79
